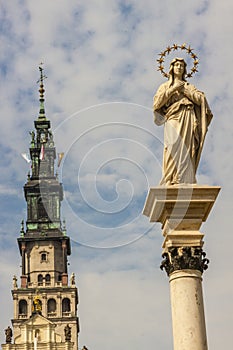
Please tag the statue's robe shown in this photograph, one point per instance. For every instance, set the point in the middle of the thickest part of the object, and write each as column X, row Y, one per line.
column 186, row 119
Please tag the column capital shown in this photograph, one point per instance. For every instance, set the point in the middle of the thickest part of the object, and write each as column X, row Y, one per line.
column 184, row 258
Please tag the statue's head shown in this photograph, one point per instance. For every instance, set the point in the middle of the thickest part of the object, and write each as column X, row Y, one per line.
column 171, row 69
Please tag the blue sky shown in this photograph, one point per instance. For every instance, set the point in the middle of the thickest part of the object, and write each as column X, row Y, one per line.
column 100, row 60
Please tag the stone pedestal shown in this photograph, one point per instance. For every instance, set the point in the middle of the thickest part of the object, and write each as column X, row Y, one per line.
column 181, row 211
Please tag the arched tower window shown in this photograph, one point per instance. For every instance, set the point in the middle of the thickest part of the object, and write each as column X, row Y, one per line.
column 40, row 280
column 51, row 306
column 23, row 308
column 65, row 305
column 47, row 279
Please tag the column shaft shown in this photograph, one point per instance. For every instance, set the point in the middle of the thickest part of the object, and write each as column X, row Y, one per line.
column 23, row 260
column 64, row 253
column 188, row 320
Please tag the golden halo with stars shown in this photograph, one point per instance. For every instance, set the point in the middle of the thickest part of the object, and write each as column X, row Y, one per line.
column 176, row 47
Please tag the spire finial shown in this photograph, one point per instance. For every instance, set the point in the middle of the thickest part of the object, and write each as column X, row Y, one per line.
column 41, row 91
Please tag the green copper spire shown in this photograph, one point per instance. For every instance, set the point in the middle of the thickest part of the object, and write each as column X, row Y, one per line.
column 41, row 91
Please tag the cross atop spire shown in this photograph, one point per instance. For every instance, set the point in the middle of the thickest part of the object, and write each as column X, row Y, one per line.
column 41, row 91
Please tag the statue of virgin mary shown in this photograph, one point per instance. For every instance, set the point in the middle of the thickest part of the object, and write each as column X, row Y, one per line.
column 185, row 114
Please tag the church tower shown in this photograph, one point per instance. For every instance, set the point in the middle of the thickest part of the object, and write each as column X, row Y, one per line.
column 46, row 298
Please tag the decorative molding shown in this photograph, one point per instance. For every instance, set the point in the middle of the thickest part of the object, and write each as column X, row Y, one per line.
column 181, row 258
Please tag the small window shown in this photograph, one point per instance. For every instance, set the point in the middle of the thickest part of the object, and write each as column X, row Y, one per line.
column 52, row 305
column 43, row 257
column 40, row 280
column 37, row 334
column 47, row 278
column 66, row 305
column 23, row 307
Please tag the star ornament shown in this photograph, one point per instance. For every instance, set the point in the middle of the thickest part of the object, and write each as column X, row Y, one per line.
column 176, row 47
column 161, row 68
column 163, row 54
column 189, row 50
column 183, row 46
column 160, row 60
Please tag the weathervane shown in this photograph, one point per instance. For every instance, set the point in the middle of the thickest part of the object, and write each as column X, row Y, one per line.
column 176, row 47
column 42, row 76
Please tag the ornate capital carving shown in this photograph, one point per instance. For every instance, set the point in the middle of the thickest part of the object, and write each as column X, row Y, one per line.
column 180, row 258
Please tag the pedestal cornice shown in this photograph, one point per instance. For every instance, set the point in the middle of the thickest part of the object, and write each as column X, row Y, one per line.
column 180, row 204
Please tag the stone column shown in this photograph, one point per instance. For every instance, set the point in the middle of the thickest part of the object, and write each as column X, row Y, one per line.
column 64, row 256
column 30, row 299
column 59, row 306
column 23, row 259
column 181, row 211
column 16, row 308
column 44, row 310
column 23, row 276
column 188, row 319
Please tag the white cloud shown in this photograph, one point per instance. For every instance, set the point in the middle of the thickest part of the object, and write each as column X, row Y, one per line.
column 8, row 190
column 135, row 327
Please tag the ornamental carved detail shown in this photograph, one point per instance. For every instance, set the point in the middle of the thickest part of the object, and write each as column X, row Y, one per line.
column 180, row 258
